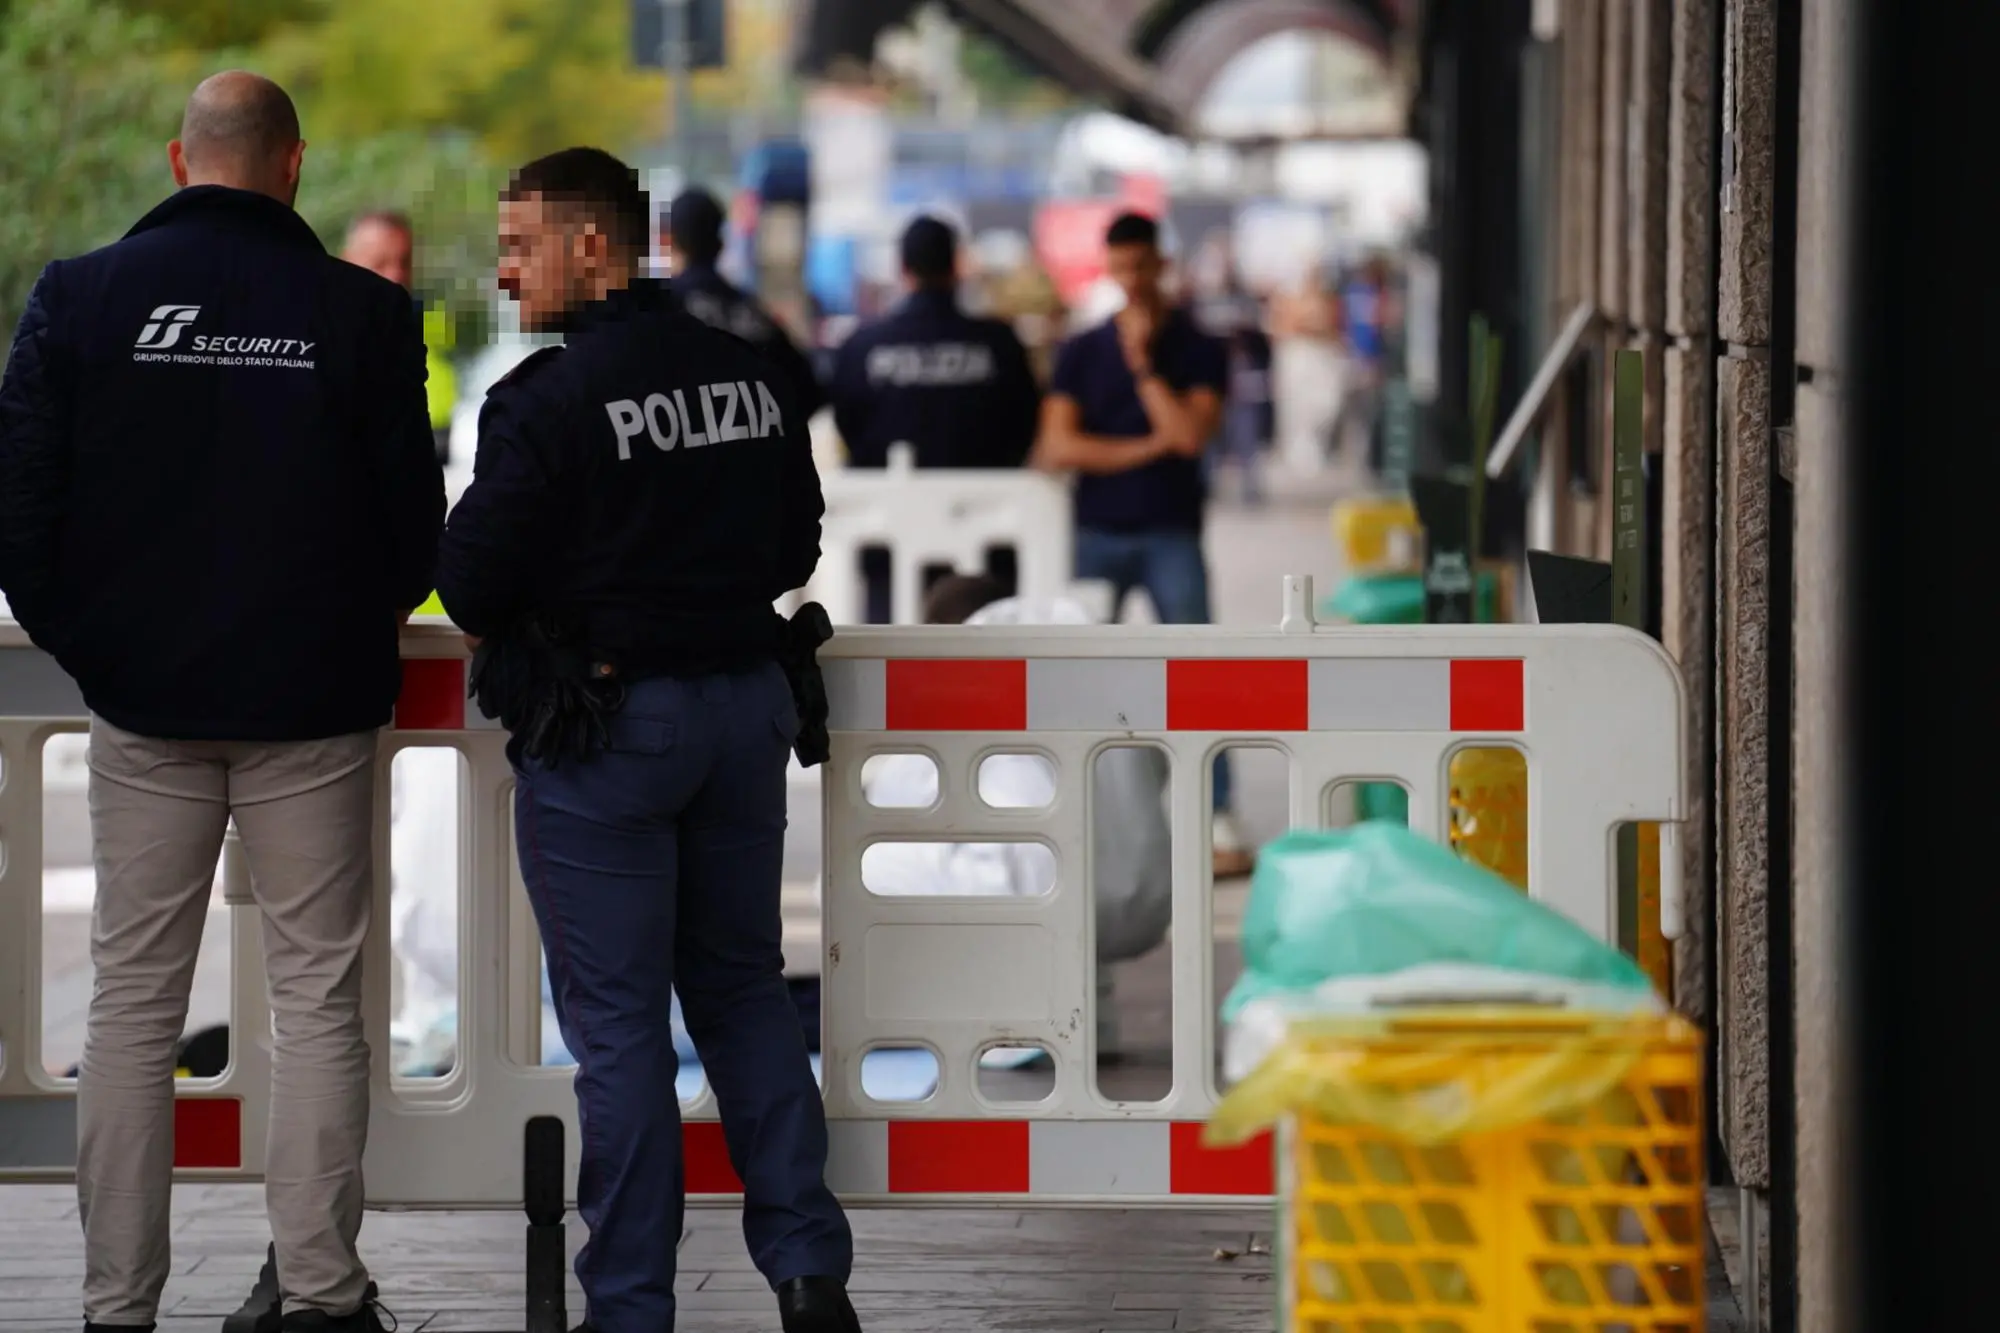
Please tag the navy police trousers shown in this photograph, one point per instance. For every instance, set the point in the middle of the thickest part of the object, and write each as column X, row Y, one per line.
column 654, row 866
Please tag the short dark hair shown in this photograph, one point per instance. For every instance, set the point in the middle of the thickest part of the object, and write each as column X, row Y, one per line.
column 594, row 183
column 1133, row 229
column 930, row 251
column 954, row 598
column 694, row 225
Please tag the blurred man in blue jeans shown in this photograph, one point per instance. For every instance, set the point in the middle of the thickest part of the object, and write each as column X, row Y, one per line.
column 1131, row 406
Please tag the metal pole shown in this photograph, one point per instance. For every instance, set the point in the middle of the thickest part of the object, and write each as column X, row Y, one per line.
column 676, row 57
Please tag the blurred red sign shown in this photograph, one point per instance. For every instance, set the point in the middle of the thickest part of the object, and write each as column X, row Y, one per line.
column 1069, row 233
column 1069, row 241
column 1143, row 194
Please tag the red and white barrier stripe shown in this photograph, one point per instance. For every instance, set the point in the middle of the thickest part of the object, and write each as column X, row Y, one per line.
column 1283, row 695
column 38, row 1134
column 433, row 698
column 1136, row 1159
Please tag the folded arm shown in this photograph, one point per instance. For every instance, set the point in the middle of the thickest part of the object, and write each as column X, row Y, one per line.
column 1063, row 446
column 1187, row 419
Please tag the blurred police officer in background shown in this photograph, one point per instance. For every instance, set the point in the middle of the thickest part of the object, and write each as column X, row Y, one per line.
column 694, row 240
column 957, row 389
column 383, row 242
column 218, row 498
column 641, row 496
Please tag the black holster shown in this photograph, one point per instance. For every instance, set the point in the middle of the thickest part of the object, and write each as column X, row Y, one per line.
column 551, row 693
column 798, row 654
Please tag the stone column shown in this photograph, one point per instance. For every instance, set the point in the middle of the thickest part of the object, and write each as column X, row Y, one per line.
column 1819, row 577
column 1613, row 157
column 1687, row 602
column 1743, row 538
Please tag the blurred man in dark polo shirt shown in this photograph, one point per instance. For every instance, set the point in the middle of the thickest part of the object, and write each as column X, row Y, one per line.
column 1131, row 406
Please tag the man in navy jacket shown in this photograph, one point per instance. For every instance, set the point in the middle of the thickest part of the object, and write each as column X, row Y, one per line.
column 218, row 499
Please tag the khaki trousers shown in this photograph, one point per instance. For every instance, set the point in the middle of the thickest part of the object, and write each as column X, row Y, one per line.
column 158, row 812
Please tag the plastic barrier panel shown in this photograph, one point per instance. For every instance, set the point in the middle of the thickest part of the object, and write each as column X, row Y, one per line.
column 1596, row 710
column 938, row 516
column 219, row 1122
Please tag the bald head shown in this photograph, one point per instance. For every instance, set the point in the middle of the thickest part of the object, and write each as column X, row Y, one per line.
column 240, row 130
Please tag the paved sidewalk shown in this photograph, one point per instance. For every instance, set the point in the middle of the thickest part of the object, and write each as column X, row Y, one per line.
column 918, row 1271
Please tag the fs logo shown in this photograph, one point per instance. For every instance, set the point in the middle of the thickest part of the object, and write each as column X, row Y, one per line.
column 165, row 330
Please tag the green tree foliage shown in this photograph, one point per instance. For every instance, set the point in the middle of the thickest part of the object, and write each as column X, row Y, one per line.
column 417, row 105
column 86, row 111
column 449, row 190
column 214, row 25
column 523, row 76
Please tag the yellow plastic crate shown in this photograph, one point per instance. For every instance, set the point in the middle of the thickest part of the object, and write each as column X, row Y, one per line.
column 1377, row 532
column 1589, row 1222
column 1489, row 810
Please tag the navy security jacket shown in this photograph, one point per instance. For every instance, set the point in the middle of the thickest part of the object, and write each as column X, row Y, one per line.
column 720, row 303
column 218, row 484
column 649, row 483
column 956, row 388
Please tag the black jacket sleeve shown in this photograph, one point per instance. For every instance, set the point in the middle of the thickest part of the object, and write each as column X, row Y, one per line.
column 850, row 395
column 1023, row 396
column 412, row 478
column 34, row 464
column 797, row 368
column 506, row 522
column 805, row 506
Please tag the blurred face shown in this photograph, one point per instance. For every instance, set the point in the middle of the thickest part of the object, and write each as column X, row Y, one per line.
column 552, row 259
column 1136, row 269
column 383, row 249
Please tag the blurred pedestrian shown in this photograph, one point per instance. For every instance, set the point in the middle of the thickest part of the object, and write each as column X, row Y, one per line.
column 956, row 388
column 1133, row 404
column 384, row 242
column 1246, row 420
column 1364, row 302
column 218, row 498
column 694, row 239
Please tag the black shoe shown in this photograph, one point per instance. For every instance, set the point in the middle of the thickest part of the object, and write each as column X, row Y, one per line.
column 816, row 1305
column 89, row 1327
column 368, row 1319
column 263, row 1312
column 260, row 1312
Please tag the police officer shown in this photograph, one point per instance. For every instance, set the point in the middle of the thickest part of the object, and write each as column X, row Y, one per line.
column 957, row 389
column 694, row 235
column 641, row 496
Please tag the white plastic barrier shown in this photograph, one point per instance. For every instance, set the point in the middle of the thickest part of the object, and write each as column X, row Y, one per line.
column 1597, row 710
column 219, row 1123
column 938, row 516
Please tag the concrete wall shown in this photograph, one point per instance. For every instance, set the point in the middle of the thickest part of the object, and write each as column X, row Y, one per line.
column 1668, row 228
